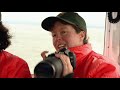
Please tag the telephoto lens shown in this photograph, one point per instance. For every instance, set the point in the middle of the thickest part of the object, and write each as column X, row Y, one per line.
column 52, row 67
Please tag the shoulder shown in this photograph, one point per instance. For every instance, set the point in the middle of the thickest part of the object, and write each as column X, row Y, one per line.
column 98, row 59
column 14, row 58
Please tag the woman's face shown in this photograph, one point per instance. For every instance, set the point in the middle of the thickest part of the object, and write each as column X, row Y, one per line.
column 65, row 36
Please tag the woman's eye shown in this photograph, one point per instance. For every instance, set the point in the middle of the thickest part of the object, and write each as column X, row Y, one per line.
column 63, row 33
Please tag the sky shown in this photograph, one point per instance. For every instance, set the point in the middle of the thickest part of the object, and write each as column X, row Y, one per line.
column 96, row 19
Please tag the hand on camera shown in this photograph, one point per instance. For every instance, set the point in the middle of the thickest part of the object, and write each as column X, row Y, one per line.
column 66, row 62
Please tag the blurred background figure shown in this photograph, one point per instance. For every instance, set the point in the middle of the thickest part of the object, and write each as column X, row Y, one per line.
column 11, row 66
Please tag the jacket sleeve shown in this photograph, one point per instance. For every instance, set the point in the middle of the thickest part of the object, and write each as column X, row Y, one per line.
column 23, row 72
column 19, row 69
column 103, row 70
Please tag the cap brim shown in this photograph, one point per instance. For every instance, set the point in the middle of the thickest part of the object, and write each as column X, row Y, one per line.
column 48, row 22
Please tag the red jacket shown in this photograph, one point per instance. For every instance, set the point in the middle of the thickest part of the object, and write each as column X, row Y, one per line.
column 92, row 65
column 12, row 66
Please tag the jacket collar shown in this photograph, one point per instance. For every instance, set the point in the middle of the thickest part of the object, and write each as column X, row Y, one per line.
column 81, row 51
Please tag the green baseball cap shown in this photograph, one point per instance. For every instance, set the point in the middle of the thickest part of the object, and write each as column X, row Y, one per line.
column 69, row 17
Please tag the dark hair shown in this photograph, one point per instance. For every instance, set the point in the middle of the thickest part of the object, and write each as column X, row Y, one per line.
column 77, row 29
column 4, row 37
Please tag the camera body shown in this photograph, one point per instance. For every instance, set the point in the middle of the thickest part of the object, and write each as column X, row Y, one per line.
column 52, row 67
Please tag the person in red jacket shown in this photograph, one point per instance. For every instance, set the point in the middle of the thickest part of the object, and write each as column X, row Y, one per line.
column 11, row 66
column 69, row 30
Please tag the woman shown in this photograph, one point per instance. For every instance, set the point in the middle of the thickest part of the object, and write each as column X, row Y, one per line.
column 69, row 30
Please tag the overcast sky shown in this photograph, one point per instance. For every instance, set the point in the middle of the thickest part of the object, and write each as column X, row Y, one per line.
column 92, row 18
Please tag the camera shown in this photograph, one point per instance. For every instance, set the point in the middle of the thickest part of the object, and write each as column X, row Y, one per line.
column 52, row 67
